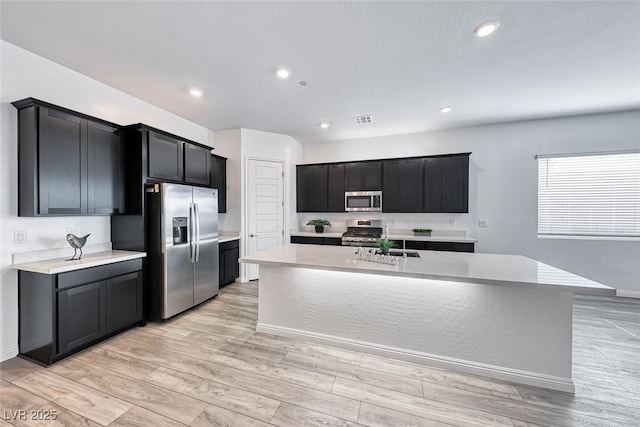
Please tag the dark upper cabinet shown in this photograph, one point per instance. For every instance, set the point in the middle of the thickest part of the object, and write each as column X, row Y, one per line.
column 413, row 184
column 197, row 164
column 68, row 163
column 62, row 164
column 402, row 187
column 446, row 183
column 311, row 188
column 165, row 154
column 363, row 176
column 433, row 187
column 455, row 184
column 335, row 190
column 105, row 178
column 219, row 180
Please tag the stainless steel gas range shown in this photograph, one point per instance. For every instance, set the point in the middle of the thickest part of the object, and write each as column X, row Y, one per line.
column 362, row 232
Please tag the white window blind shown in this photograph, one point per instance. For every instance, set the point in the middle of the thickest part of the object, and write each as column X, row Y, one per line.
column 589, row 195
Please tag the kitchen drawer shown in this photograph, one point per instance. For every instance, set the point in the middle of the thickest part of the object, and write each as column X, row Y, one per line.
column 94, row 274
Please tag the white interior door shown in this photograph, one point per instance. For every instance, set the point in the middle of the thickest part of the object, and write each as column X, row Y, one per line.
column 265, row 208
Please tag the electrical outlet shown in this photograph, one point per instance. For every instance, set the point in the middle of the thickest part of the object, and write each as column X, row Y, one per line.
column 452, row 222
column 483, row 223
column 19, row 237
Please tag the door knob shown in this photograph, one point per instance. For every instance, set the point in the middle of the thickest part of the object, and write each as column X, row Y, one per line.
column 253, row 235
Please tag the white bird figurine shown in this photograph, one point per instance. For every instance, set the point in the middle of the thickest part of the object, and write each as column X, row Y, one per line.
column 76, row 243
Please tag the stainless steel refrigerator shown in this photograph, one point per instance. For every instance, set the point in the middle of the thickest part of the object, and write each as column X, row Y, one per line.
column 183, row 248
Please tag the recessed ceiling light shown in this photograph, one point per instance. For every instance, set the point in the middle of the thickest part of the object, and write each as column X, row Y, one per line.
column 283, row 73
column 486, row 28
column 445, row 109
column 324, row 125
column 194, row 91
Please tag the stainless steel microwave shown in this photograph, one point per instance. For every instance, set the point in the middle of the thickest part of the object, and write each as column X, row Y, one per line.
column 363, row 201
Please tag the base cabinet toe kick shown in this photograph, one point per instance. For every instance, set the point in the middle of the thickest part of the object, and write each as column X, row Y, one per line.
column 513, row 331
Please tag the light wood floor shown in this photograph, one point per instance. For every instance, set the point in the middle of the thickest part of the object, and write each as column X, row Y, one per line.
column 209, row 367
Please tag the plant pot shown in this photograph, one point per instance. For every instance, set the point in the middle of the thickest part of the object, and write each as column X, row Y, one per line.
column 319, row 228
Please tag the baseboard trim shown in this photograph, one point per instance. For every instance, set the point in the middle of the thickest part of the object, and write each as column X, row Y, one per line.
column 474, row 368
column 9, row 353
column 628, row 294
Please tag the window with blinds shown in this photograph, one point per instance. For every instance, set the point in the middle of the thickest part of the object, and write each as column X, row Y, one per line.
column 589, row 195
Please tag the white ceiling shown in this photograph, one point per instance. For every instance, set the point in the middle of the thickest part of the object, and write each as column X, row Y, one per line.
column 398, row 61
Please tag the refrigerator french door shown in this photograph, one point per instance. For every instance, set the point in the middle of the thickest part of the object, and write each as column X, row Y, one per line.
column 184, row 262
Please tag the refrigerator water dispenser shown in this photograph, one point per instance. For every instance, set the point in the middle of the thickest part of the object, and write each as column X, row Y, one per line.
column 179, row 230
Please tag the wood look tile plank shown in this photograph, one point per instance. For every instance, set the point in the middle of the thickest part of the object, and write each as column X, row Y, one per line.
column 421, row 407
column 291, row 415
column 163, row 401
column 17, row 367
column 246, row 362
column 233, row 398
column 217, row 416
column 168, row 359
column 440, row 376
column 341, row 407
column 53, row 415
column 304, row 347
column 512, row 408
column 377, row 416
column 86, row 401
column 121, row 363
column 140, row 417
column 14, row 398
column 355, row 373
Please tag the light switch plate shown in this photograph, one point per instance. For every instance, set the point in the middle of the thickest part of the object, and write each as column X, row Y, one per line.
column 483, row 223
column 19, row 237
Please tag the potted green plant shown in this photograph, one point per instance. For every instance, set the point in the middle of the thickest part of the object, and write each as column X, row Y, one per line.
column 422, row 232
column 319, row 224
column 384, row 245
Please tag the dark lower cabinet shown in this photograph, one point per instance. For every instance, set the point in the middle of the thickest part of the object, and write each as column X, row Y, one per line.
column 81, row 316
column 437, row 246
column 61, row 314
column 229, row 253
column 124, row 300
column 313, row 240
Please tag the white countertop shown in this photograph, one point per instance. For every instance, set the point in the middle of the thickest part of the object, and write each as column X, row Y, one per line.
column 489, row 269
column 436, row 238
column 60, row 265
column 228, row 236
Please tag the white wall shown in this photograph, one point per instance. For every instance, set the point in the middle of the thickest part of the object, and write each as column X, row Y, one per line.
column 503, row 185
column 22, row 75
column 229, row 144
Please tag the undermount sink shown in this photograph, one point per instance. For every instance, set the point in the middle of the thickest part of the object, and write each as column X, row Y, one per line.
column 410, row 254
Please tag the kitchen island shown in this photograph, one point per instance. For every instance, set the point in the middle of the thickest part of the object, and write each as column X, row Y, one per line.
column 501, row 316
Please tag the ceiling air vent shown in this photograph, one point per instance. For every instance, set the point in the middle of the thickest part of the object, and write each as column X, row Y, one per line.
column 363, row 120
